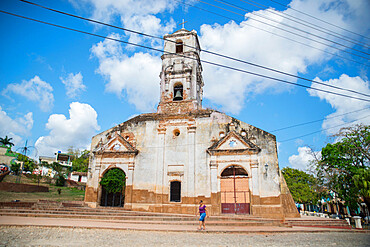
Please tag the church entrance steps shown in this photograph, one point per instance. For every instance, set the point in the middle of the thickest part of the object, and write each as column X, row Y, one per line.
column 119, row 215
column 144, row 219
column 142, row 226
column 308, row 221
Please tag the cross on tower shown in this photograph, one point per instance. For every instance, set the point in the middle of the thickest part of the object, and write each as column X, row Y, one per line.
column 183, row 23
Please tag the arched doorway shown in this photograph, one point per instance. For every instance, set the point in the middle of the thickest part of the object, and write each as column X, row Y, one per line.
column 235, row 197
column 113, row 185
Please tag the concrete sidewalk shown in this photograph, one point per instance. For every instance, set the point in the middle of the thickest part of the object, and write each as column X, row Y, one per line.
column 119, row 225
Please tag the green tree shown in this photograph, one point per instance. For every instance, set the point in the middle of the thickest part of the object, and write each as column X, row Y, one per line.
column 345, row 162
column 58, row 168
column 113, row 180
column 302, row 186
column 81, row 163
column 28, row 164
column 75, row 152
column 6, row 141
column 15, row 167
column 362, row 183
column 60, row 180
column 59, row 173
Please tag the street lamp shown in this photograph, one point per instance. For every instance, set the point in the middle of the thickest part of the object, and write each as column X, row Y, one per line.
column 266, row 168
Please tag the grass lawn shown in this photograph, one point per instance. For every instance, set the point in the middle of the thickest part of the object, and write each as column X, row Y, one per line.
column 67, row 194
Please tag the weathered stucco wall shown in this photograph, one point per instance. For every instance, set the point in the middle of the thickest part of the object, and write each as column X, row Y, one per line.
column 174, row 148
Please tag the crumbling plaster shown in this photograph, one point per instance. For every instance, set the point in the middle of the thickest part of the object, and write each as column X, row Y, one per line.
column 164, row 157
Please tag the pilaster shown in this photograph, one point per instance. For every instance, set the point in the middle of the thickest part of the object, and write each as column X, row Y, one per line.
column 191, row 162
column 160, row 167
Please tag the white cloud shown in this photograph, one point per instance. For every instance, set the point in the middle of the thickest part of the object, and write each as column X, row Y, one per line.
column 64, row 133
column 106, row 9
column 15, row 128
column 74, row 84
column 125, row 74
column 35, row 90
column 138, row 15
column 135, row 77
column 247, row 43
column 303, row 159
column 148, row 24
column 344, row 105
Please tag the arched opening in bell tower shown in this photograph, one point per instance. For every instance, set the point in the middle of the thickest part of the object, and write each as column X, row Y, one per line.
column 179, row 46
column 178, row 92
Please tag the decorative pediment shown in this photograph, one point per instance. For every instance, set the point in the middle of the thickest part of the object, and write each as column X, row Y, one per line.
column 116, row 145
column 233, row 144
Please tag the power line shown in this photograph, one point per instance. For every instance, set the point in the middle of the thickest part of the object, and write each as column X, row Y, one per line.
column 307, row 24
column 290, row 139
column 206, row 51
column 287, row 25
column 291, row 32
column 275, row 34
column 192, row 58
column 316, row 18
column 315, row 121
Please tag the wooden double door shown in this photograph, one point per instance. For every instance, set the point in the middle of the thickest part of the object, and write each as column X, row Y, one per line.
column 235, row 194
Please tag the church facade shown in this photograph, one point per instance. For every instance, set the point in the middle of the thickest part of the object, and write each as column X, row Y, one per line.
column 183, row 153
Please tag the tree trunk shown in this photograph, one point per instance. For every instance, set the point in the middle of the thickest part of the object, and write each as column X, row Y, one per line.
column 367, row 202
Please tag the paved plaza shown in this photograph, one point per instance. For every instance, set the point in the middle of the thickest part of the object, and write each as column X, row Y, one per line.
column 46, row 236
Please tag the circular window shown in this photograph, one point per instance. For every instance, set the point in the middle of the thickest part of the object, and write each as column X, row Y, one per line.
column 244, row 133
column 127, row 138
column 117, row 147
column 232, row 143
column 176, row 132
column 222, row 134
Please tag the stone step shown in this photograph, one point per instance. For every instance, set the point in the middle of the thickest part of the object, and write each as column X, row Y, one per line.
column 50, row 209
column 113, row 213
column 319, row 223
column 141, row 220
column 86, row 215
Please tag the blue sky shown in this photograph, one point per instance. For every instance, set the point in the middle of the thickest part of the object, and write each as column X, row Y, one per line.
column 59, row 88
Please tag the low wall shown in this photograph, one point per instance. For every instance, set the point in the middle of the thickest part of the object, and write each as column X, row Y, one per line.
column 16, row 204
column 14, row 187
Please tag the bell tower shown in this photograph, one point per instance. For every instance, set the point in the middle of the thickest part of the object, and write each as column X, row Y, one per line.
column 181, row 76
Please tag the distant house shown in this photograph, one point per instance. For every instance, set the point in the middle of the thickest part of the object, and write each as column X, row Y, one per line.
column 78, row 177
column 63, row 159
column 46, row 171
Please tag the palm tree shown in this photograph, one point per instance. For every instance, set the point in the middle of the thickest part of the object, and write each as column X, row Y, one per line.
column 6, row 141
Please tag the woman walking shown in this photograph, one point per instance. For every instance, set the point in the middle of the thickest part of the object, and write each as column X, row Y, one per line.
column 203, row 214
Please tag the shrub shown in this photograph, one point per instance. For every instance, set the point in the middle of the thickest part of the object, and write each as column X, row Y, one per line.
column 60, row 181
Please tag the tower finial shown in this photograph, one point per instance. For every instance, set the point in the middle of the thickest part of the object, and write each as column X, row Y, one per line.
column 183, row 23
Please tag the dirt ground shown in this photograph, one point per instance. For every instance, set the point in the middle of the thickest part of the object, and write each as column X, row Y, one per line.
column 43, row 236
